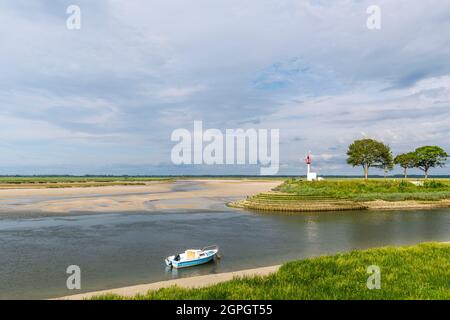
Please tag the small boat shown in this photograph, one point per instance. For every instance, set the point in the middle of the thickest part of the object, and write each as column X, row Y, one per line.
column 192, row 257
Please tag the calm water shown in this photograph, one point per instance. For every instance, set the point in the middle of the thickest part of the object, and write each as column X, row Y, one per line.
column 115, row 250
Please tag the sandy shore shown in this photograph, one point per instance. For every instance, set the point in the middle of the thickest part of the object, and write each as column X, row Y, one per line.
column 154, row 196
column 192, row 282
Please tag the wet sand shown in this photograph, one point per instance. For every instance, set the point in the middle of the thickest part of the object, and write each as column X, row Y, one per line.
column 192, row 282
column 153, row 196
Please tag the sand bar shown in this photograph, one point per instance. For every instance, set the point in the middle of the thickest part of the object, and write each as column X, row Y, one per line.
column 153, row 196
column 192, row 282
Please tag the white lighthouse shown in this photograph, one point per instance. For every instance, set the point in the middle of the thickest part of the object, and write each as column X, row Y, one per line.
column 310, row 176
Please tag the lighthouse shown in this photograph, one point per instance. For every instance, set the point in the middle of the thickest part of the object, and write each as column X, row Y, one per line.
column 310, row 176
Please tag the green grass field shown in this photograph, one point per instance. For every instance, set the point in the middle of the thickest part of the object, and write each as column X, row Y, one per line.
column 414, row 272
column 376, row 189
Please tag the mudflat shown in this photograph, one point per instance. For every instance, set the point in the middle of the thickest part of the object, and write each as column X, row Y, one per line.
column 152, row 196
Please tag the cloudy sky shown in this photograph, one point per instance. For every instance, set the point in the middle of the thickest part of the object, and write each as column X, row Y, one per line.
column 106, row 98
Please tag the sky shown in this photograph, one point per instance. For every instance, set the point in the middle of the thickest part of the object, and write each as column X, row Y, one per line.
column 105, row 99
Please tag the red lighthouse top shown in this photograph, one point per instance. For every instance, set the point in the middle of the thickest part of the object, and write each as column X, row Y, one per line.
column 308, row 159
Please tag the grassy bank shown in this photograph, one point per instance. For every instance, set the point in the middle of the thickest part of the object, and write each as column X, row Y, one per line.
column 354, row 194
column 360, row 190
column 415, row 272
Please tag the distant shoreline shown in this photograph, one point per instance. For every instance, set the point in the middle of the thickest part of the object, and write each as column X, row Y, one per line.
column 189, row 176
column 88, row 181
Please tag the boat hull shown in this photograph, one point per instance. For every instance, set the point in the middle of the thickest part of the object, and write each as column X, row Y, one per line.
column 190, row 263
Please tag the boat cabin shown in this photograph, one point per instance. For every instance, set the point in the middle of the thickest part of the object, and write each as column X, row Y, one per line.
column 194, row 254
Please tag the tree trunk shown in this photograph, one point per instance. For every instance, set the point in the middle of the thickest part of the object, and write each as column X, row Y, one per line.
column 406, row 173
column 426, row 174
column 366, row 172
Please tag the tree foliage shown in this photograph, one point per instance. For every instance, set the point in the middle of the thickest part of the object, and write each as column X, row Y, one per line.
column 387, row 161
column 406, row 161
column 369, row 153
column 429, row 157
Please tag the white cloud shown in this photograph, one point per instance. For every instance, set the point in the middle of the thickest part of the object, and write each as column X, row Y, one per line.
column 138, row 69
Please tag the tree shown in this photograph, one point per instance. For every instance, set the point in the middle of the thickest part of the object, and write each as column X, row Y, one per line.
column 406, row 161
column 387, row 161
column 429, row 157
column 369, row 153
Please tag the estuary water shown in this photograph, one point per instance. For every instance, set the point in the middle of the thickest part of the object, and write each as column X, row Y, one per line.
column 122, row 249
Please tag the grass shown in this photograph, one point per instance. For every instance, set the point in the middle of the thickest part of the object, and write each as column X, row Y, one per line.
column 346, row 194
column 414, row 272
column 360, row 190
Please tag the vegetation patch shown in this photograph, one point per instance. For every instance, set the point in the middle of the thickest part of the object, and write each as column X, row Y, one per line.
column 389, row 189
column 346, row 194
column 414, row 272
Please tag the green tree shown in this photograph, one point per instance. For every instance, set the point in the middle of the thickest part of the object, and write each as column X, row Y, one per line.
column 368, row 153
column 430, row 157
column 406, row 161
column 387, row 161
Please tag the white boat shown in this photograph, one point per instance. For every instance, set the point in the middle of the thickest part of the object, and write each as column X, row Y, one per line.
column 192, row 257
